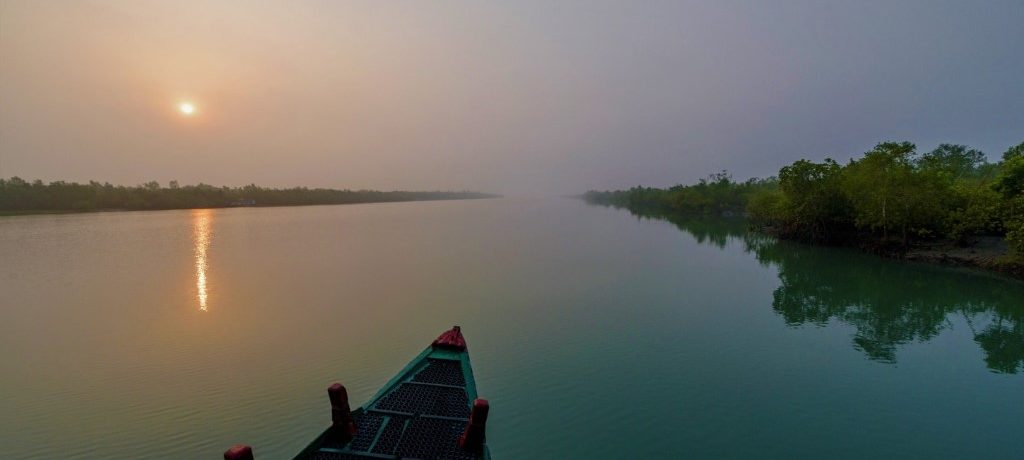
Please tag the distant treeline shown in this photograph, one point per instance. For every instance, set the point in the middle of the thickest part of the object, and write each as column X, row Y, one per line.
column 889, row 198
column 20, row 196
column 716, row 195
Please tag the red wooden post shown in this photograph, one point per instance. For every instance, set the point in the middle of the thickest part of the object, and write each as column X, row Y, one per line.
column 239, row 452
column 474, row 436
column 341, row 413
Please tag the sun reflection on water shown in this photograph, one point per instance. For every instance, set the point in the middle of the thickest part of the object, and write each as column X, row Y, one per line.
column 201, row 219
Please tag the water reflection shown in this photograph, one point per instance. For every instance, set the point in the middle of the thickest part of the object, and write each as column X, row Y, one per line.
column 201, row 221
column 888, row 303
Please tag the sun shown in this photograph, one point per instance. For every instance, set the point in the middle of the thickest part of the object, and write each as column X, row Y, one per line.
column 187, row 108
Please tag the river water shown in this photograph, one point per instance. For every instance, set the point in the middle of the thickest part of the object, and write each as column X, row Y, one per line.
column 593, row 333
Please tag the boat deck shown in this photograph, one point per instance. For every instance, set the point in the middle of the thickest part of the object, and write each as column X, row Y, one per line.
column 420, row 414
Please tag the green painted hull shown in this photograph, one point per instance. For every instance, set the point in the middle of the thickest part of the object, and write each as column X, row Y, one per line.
column 419, row 413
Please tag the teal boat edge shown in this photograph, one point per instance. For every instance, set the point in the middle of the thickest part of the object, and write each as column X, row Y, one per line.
column 429, row 410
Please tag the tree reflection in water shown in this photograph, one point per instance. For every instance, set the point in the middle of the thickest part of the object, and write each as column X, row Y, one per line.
column 889, row 303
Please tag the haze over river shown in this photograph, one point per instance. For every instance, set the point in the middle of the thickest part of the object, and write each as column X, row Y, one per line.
column 594, row 334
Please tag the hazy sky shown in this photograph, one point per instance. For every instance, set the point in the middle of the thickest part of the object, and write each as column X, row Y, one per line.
column 510, row 97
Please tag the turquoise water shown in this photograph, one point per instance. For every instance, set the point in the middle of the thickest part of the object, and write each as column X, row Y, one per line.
column 593, row 333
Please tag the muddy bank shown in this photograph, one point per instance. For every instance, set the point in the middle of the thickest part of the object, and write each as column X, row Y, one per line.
column 988, row 253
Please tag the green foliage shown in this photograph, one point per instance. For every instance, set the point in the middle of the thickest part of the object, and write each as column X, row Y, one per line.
column 17, row 195
column 1016, row 151
column 887, row 193
column 1013, row 212
column 956, row 161
column 974, row 209
column 772, row 208
column 716, row 195
column 1009, row 183
column 888, row 198
column 1010, row 180
column 891, row 195
column 1015, row 237
column 816, row 207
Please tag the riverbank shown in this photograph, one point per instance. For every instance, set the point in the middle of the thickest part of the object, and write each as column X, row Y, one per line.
column 31, row 212
column 46, row 211
column 987, row 253
column 19, row 197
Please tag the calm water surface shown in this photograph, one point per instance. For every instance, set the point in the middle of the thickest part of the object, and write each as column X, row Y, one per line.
column 594, row 334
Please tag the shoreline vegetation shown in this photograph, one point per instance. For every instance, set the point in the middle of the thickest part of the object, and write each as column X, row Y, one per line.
column 20, row 197
column 949, row 205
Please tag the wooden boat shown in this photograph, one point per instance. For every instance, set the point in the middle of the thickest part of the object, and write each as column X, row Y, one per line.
column 424, row 412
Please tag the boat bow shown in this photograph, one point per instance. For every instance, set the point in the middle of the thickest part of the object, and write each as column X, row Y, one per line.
column 429, row 410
